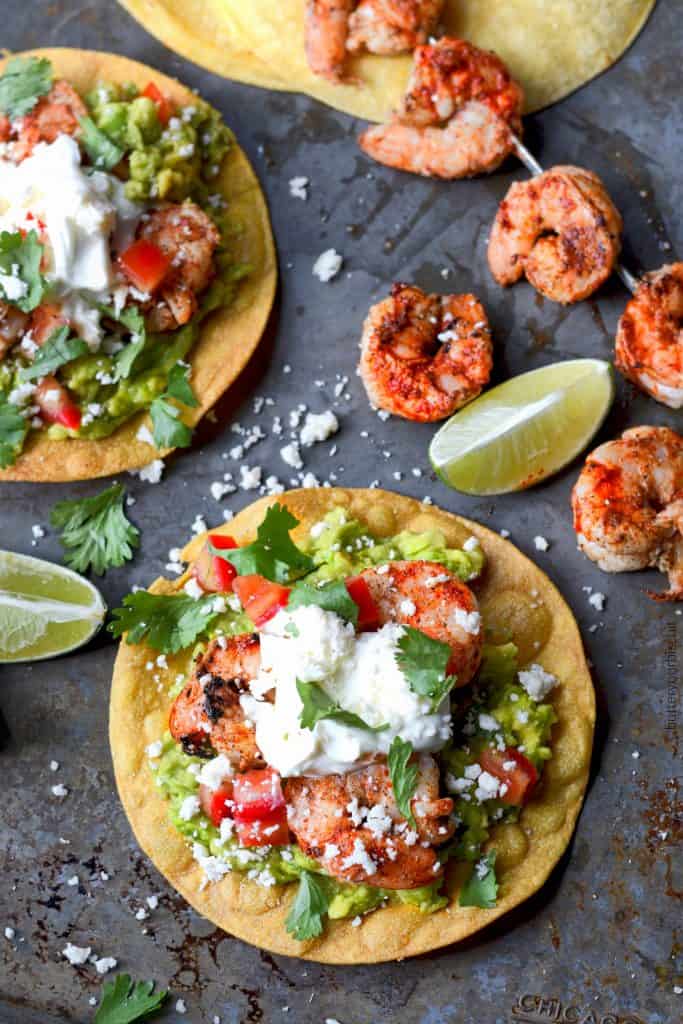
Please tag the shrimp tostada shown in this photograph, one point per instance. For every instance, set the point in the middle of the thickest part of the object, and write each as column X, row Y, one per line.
column 137, row 265
column 356, row 729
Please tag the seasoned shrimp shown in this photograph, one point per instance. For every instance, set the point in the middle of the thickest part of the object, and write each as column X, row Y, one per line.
column 628, row 505
column 188, row 237
column 649, row 345
column 58, row 113
column 456, row 116
column 207, row 715
column 424, row 356
column 392, row 26
column 326, row 28
column 427, row 597
column 560, row 230
column 351, row 823
column 12, row 326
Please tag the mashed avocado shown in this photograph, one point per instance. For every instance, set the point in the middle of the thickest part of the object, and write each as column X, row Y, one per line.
column 341, row 547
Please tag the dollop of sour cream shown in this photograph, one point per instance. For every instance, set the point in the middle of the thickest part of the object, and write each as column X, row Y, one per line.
column 359, row 673
column 80, row 214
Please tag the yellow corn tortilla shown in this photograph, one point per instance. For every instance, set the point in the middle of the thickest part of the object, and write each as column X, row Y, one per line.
column 227, row 338
column 519, row 602
column 550, row 48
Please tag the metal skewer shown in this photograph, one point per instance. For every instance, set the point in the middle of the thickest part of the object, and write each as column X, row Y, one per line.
column 532, row 165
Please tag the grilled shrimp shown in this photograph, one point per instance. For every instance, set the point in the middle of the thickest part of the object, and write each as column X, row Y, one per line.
column 427, row 597
column 207, row 715
column 12, row 326
column 188, row 237
column 57, row 113
column 649, row 345
column 392, row 26
column 628, row 505
column 351, row 823
column 455, row 118
column 560, row 230
column 326, row 28
column 424, row 356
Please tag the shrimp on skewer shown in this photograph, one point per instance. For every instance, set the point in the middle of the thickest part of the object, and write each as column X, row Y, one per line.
column 560, row 230
column 351, row 823
column 424, row 356
column 649, row 343
column 423, row 595
column 457, row 115
column 58, row 113
column 188, row 237
column 335, row 28
column 628, row 505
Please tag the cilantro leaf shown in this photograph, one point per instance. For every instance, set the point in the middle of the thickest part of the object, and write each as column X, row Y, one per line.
column 24, row 81
column 20, row 257
column 273, row 554
column 132, row 319
column 166, row 622
column 124, row 1001
column 305, row 919
column 423, row 662
column 403, row 776
column 332, row 597
column 95, row 531
column 57, row 350
column 169, row 430
column 481, row 888
column 318, row 705
column 179, row 387
column 103, row 153
column 13, row 430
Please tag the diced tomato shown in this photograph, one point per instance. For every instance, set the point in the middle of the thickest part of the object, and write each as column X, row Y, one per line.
column 217, row 803
column 5, row 128
column 512, row 768
column 257, row 794
column 55, row 404
column 368, row 612
column 261, row 598
column 144, row 264
column 270, row 831
column 213, row 573
column 165, row 106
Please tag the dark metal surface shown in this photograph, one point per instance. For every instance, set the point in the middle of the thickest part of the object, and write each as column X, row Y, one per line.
column 601, row 936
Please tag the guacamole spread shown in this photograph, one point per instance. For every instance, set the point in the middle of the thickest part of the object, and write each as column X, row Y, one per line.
column 499, row 712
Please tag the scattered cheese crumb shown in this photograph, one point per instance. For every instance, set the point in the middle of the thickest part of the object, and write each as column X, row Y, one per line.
column 76, row 955
column 328, row 265
column 541, row 544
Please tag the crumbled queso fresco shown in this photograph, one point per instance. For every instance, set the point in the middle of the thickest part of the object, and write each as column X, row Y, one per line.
column 328, row 265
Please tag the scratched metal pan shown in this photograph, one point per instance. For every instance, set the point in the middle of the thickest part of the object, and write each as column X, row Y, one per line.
column 598, row 943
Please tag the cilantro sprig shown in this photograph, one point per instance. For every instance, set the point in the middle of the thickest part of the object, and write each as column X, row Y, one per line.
column 332, row 597
column 13, row 430
column 168, row 623
column 125, row 1001
column 23, row 82
column 318, row 705
column 403, row 776
column 103, row 153
column 59, row 349
column 481, row 888
column 273, row 554
column 305, row 919
column 20, row 257
column 423, row 662
column 169, row 430
column 134, row 323
column 95, row 531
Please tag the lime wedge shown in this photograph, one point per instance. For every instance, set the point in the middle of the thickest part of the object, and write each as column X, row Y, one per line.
column 524, row 430
column 45, row 609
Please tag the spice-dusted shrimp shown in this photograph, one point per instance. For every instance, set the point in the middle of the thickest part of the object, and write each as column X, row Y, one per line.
column 560, row 230
column 351, row 823
column 628, row 505
column 455, row 118
column 207, row 715
column 188, row 237
column 427, row 597
column 58, row 113
column 392, row 26
column 424, row 356
column 649, row 345
column 326, row 28
column 12, row 326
